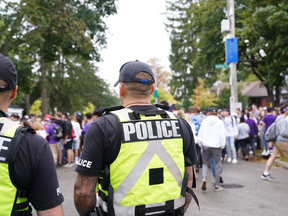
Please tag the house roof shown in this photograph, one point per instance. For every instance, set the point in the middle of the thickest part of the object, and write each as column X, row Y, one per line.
column 254, row 89
column 250, row 89
column 15, row 106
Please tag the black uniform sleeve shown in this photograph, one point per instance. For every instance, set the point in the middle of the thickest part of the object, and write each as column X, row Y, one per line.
column 35, row 170
column 101, row 148
column 189, row 148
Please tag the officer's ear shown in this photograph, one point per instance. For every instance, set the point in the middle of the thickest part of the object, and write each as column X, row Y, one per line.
column 121, row 89
column 153, row 89
column 14, row 93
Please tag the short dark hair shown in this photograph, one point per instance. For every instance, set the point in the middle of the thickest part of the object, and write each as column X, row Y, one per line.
column 198, row 109
column 98, row 112
column 242, row 119
column 164, row 102
column 88, row 115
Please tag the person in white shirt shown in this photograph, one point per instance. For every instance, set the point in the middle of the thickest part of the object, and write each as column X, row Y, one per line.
column 231, row 128
column 76, row 140
column 212, row 139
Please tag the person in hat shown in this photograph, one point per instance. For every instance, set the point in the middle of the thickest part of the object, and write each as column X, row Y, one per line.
column 212, row 145
column 135, row 154
column 27, row 170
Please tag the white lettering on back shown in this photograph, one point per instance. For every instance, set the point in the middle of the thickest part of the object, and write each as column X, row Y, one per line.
column 128, row 129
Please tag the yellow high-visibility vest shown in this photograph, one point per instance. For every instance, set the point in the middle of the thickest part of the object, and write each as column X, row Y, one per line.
column 11, row 199
column 148, row 173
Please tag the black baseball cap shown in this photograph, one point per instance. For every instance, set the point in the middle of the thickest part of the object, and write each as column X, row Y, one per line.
column 129, row 70
column 212, row 109
column 8, row 73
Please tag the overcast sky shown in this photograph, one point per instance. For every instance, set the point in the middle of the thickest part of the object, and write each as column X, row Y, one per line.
column 136, row 32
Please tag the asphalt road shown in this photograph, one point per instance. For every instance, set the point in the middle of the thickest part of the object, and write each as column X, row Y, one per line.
column 256, row 197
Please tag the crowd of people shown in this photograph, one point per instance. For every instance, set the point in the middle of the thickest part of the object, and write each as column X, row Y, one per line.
column 224, row 135
column 65, row 133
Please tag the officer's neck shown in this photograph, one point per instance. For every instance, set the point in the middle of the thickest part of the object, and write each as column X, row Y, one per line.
column 4, row 106
column 136, row 103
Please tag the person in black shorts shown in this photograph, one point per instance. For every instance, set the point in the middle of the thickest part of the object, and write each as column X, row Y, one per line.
column 68, row 141
column 27, row 169
column 121, row 136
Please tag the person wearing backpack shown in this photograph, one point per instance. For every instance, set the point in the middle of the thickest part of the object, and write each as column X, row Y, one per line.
column 53, row 141
column 281, row 142
column 268, row 119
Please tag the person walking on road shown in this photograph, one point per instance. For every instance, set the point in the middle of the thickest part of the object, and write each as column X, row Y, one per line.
column 231, row 127
column 281, row 143
column 27, row 170
column 136, row 154
column 243, row 137
column 212, row 139
column 252, row 134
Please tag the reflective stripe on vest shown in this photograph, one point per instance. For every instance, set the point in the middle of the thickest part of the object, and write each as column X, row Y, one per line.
column 8, row 191
column 150, row 167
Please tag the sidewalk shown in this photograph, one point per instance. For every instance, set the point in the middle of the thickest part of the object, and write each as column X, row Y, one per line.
column 276, row 162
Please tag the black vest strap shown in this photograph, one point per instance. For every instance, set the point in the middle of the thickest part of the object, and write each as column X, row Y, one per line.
column 141, row 210
column 188, row 190
column 20, row 206
column 162, row 113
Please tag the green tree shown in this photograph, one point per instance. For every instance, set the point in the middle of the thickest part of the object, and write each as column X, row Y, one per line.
column 197, row 43
column 49, row 32
column 224, row 98
column 203, row 97
column 89, row 108
column 35, row 108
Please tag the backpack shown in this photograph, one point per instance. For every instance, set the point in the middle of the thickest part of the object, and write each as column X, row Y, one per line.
column 73, row 134
column 57, row 135
column 196, row 123
column 270, row 135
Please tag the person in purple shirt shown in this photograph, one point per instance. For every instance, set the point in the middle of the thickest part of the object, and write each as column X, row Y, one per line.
column 252, row 133
column 54, row 144
column 89, row 121
column 268, row 119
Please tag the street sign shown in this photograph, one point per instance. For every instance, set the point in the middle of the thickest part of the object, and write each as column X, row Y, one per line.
column 231, row 50
column 221, row 66
column 155, row 93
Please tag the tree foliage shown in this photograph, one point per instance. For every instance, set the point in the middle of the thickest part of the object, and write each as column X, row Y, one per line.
column 35, row 108
column 162, row 75
column 197, row 42
column 203, row 97
column 52, row 41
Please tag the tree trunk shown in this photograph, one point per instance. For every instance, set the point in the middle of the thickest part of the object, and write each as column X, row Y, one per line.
column 27, row 101
column 277, row 96
column 270, row 97
column 44, row 88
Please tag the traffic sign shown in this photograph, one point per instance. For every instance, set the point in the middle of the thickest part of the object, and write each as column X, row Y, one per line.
column 155, row 93
column 221, row 66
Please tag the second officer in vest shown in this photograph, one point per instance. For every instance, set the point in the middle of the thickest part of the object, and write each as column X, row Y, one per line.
column 138, row 157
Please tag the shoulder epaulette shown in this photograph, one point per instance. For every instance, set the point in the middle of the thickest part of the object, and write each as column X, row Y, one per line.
column 110, row 109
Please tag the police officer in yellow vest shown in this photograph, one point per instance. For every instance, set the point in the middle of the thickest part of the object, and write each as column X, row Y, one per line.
column 137, row 158
column 27, row 170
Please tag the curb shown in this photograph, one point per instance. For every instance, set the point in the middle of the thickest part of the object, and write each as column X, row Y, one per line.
column 277, row 162
column 281, row 163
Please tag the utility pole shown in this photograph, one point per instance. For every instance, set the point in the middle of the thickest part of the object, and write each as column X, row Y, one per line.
column 233, row 66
